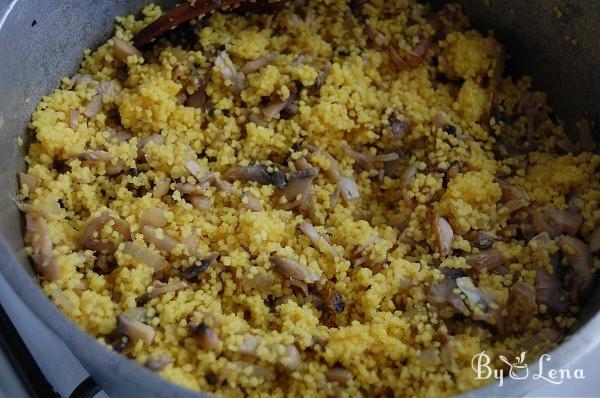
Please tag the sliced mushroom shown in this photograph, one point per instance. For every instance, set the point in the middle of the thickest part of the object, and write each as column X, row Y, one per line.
column 522, row 305
column 549, row 292
column 293, row 269
column 569, row 221
column 29, row 181
column 251, row 202
column 129, row 325
column 124, row 50
column 481, row 303
column 581, row 276
column 90, row 238
column 319, row 242
column 443, row 234
column 441, row 295
column 299, row 183
column 196, row 99
column 224, row 64
column 159, row 238
column 158, row 363
column 159, row 288
column 348, row 189
column 200, row 202
column 339, row 375
column 37, row 236
column 276, row 105
column 145, row 256
column 367, row 160
column 260, row 173
column 255, row 65
column 153, row 216
column 489, row 259
column 161, row 187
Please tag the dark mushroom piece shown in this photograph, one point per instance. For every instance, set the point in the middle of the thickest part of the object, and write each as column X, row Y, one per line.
column 483, row 241
column 159, row 288
column 299, row 183
column 191, row 273
column 206, row 336
column 339, row 375
column 399, row 126
column 38, row 237
column 263, row 174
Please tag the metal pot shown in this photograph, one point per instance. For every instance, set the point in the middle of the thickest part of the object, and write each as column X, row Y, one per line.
column 42, row 40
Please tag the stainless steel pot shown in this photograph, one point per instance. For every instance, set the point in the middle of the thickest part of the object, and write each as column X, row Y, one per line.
column 42, row 40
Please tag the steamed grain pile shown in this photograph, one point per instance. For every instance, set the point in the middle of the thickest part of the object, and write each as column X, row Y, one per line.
column 324, row 201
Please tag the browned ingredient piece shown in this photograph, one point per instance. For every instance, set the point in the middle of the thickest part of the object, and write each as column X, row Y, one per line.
column 299, row 183
column 153, row 216
column 549, row 292
column 145, row 256
column 260, row 173
column 569, row 221
column 197, row 99
column 581, row 276
column 162, row 240
column 376, row 36
column 90, row 237
column 489, row 259
column 339, row 375
column 29, row 181
column 191, row 189
column 277, row 104
column 443, row 235
column 105, row 89
column 207, row 338
column 37, row 236
column 124, row 50
column 595, row 241
column 159, row 288
column 158, row 363
column 293, row 269
column 441, row 295
column 399, row 126
column 510, row 192
column 130, row 324
column 521, row 305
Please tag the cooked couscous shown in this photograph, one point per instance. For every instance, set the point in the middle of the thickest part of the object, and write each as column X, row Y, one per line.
column 326, row 201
